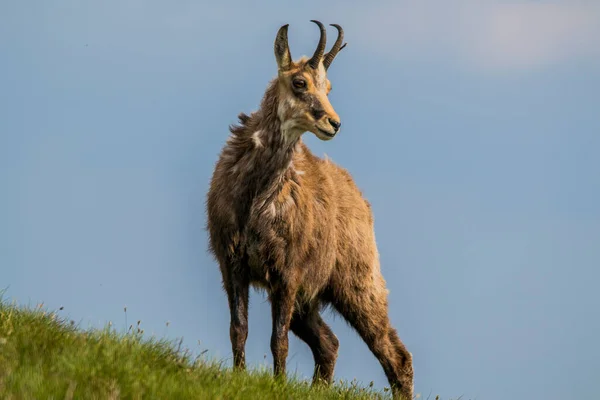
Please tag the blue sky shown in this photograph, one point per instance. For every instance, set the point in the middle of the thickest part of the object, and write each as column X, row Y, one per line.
column 471, row 127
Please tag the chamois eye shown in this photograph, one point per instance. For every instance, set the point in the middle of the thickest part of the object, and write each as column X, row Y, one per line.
column 299, row 83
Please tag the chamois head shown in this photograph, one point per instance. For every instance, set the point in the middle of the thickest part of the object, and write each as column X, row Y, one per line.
column 303, row 87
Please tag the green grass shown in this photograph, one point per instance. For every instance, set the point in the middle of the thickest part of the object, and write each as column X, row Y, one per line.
column 44, row 356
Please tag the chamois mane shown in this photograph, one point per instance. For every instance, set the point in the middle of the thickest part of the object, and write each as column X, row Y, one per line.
column 282, row 219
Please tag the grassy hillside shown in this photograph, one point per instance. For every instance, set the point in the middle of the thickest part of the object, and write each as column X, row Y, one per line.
column 43, row 356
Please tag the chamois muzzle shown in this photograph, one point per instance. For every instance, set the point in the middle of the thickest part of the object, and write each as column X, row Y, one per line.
column 335, row 124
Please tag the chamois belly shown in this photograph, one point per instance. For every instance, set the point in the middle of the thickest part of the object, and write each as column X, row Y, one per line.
column 270, row 254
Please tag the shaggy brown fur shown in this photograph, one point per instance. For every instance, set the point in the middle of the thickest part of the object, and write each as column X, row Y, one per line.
column 284, row 220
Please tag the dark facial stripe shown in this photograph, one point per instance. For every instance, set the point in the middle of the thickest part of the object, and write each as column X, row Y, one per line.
column 316, row 108
column 314, row 105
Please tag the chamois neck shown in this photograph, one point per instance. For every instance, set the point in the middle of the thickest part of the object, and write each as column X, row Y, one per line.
column 261, row 150
column 277, row 136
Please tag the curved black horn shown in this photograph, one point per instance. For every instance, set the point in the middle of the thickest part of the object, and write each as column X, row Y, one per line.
column 316, row 58
column 337, row 46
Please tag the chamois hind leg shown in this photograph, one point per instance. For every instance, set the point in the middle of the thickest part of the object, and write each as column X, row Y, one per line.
column 308, row 325
column 366, row 310
column 237, row 285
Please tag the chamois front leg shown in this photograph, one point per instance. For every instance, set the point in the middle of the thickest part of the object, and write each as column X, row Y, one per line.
column 283, row 296
column 237, row 286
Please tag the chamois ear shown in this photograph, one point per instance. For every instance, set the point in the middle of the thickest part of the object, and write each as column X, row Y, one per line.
column 282, row 49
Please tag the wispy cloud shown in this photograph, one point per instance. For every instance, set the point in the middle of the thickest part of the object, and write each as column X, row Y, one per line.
column 488, row 35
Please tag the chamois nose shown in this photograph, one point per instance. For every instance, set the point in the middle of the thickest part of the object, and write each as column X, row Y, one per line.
column 336, row 124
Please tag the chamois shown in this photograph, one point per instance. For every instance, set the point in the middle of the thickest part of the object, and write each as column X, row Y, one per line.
column 297, row 226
